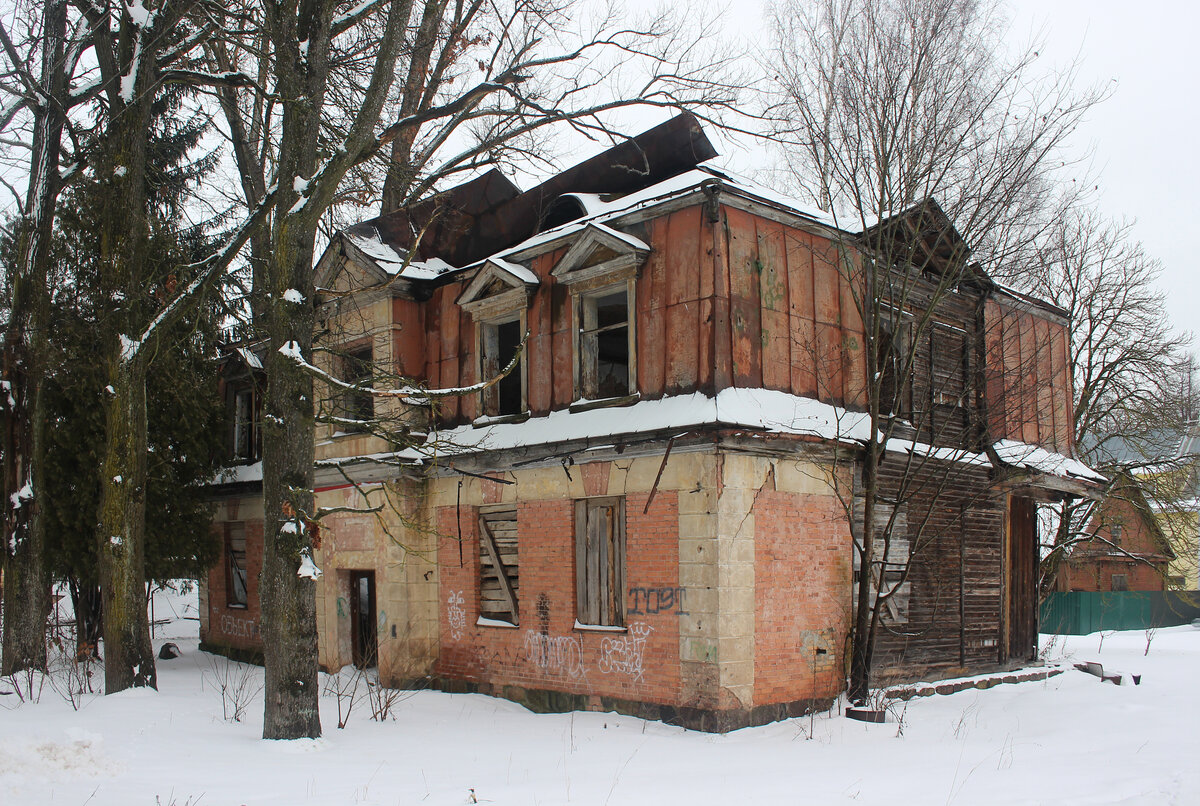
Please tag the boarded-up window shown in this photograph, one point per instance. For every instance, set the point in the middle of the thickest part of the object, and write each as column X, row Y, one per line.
column 600, row 561
column 235, row 565
column 889, row 557
column 948, row 365
column 499, row 577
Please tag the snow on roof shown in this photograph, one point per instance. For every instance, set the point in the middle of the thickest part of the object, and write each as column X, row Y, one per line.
column 763, row 409
column 516, row 270
column 367, row 239
column 1020, row 454
column 759, row 409
column 636, row 243
column 250, row 358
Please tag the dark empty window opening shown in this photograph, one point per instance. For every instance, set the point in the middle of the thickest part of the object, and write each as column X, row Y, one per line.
column 498, row 345
column 892, row 355
column 235, row 565
column 363, row 634
column 247, row 443
column 561, row 211
column 604, row 345
column 358, row 408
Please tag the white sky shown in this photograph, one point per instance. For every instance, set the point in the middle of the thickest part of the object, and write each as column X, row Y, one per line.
column 1143, row 137
column 1140, row 139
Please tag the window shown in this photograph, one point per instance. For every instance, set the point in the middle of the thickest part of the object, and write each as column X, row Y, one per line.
column 247, row 444
column 499, row 581
column 887, row 570
column 600, row 561
column 895, row 386
column 358, row 408
column 235, row 565
column 604, row 353
column 498, row 343
column 1115, row 531
column 1120, row 582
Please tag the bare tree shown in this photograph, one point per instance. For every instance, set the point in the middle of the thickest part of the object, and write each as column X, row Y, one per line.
column 477, row 80
column 886, row 106
column 1131, row 371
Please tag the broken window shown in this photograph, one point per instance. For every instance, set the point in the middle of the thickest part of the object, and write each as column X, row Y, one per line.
column 498, row 343
column 600, row 561
column 893, row 359
column 499, row 578
column 235, row 565
column 605, row 344
column 247, row 444
column 358, row 407
column 889, row 558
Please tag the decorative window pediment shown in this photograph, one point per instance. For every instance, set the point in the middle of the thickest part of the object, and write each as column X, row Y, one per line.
column 601, row 254
column 499, row 287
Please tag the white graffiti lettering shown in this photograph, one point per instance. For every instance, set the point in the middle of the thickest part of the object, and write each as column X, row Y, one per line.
column 555, row 654
column 625, row 654
column 456, row 615
column 238, row 627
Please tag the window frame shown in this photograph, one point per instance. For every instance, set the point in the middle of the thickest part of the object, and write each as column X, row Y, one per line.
column 233, row 571
column 600, row 572
column 489, row 399
column 350, row 403
column 585, row 369
column 504, row 575
column 245, row 422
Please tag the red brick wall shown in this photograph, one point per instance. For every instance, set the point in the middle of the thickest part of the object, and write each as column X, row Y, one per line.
column 802, row 596
column 546, row 651
column 236, row 627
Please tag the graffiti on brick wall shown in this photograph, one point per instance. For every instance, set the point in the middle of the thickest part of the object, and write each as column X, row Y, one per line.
column 555, row 654
column 238, row 627
column 625, row 654
column 456, row 615
column 651, row 601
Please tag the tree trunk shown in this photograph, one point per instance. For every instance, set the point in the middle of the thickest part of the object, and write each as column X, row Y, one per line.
column 27, row 581
column 289, row 622
column 128, row 651
column 86, row 601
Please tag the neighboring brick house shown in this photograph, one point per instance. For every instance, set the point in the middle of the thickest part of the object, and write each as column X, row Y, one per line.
column 650, row 512
column 1127, row 550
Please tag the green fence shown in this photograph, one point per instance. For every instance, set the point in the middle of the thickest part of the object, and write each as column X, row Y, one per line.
column 1083, row 613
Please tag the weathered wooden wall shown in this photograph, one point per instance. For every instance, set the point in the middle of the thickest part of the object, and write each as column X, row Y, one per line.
column 745, row 302
column 1027, row 376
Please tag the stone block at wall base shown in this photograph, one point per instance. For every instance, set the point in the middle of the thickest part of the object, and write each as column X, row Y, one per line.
column 709, row 720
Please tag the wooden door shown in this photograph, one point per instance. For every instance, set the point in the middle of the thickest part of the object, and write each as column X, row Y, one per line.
column 363, row 639
column 1020, row 606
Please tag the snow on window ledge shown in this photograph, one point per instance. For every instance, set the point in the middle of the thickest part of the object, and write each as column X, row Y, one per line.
column 598, row 627
column 492, row 622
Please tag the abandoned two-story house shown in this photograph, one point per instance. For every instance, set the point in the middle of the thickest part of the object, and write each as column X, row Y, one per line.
column 653, row 511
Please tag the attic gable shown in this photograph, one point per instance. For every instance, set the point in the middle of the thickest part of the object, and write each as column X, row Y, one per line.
column 498, row 287
column 601, row 252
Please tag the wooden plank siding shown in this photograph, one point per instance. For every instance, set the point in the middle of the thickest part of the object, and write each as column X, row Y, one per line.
column 750, row 302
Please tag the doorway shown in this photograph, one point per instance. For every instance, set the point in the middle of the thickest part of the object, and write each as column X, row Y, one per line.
column 363, row 636
column 1020, row 604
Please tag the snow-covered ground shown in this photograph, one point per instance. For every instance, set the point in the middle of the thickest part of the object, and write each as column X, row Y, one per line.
column 1069, row 740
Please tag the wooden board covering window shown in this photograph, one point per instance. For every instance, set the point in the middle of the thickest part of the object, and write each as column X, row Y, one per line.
column 499, row 567
column 889, row 568
column 600, row 561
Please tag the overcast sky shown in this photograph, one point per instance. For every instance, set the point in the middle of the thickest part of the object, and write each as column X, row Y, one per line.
column 1144, row 136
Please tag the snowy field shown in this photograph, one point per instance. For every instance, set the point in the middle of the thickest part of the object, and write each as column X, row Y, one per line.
column 1069, row 740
